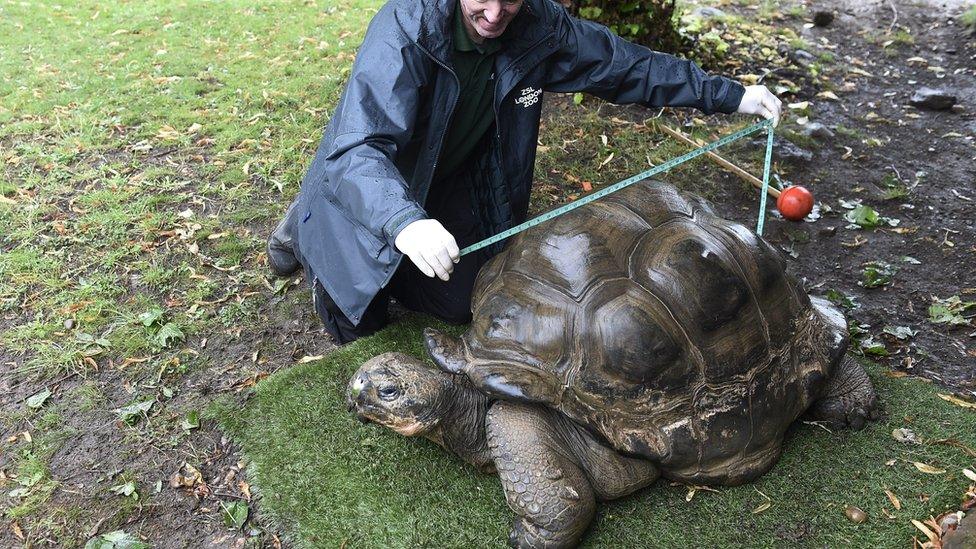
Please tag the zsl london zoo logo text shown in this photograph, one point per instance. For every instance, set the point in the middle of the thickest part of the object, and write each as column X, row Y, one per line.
column 529, row 97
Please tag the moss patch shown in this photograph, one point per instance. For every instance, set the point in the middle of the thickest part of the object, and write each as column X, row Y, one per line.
column 327, row 479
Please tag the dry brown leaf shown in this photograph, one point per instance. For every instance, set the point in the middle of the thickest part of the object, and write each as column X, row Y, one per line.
column 958, row 401
column 131, row 360
column 928, row 469
column 168, row 133
column 925, row 530
column 310, row 358
column 15, row 528
column 893, row 499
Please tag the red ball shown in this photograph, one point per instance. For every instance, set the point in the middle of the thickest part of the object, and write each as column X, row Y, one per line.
column 795, row 203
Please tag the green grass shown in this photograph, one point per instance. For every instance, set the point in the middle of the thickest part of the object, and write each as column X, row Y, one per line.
column 968, row 18
column 329, row 480
column 147, row 146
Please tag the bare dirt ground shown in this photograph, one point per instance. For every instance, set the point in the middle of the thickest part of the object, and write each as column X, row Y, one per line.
column 931, row 154
column 879, row 142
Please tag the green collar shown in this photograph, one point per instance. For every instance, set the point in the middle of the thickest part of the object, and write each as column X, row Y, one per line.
column 463, row 42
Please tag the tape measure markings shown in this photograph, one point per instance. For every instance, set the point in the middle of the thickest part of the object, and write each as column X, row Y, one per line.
column 639, row 177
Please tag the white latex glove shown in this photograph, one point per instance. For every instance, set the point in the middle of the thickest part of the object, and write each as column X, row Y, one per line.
column 431, row 248
column 761, row 101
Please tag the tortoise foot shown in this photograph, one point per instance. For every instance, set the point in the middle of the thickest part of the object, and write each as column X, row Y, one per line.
column 849, row 401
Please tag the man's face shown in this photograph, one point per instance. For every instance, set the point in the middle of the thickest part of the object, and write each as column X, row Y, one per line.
column 488, row 18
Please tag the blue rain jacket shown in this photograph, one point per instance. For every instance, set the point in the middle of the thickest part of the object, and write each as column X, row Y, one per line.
column 374, row 164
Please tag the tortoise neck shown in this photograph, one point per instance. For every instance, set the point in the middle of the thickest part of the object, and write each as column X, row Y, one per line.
column 462, row 425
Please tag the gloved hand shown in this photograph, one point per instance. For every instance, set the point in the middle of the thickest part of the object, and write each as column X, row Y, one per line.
column 761, row 101
column 431, row 248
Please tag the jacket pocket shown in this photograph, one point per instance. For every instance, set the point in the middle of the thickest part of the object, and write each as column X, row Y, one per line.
column 365, row 238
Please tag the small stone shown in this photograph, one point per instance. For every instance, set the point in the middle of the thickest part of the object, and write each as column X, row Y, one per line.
column 818, row 131
column 706, row 12
column 964, row 536
column 932, row 99
column 786, row 151
column 791, row 153
column 822, row 18
column 69, row 324
column 950, row 521
column 802, row 57
column 828, row 231
column 855, row 514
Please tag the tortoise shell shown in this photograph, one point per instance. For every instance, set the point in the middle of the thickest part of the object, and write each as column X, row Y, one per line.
column 675, row 334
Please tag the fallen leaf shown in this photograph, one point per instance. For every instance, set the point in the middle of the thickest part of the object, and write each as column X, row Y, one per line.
column 905, row 435
column 828, row 95
column 762, row 508
column 925, row 530
column 168, row 133
column 969, row 474
column 587, row 186
column 235, row 514
column 955, row 444
column 310, row 358
column 38, row 400
column 928, row 469
column 893, row 499
column 958, row 401
column 15, row 528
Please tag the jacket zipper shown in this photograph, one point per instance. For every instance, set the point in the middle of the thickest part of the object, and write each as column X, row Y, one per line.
column 497, row 101
column 440, row 145
column 450, row 115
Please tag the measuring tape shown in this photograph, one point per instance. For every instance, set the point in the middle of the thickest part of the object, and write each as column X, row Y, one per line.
column 767, row 124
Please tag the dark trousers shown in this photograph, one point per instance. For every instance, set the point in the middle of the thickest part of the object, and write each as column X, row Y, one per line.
column 449, row 201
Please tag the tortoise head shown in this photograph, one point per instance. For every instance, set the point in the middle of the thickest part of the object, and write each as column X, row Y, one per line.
column 400, row 392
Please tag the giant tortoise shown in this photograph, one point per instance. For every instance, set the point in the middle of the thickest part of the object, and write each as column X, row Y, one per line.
column 636, row 337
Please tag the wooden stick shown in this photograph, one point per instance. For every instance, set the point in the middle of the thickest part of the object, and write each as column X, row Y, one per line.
column 756, row 182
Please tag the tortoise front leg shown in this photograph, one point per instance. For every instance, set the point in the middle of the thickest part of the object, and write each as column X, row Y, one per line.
column 849, row 399
column 547, row 490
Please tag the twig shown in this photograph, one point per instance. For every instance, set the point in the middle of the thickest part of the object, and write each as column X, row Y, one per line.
column 895, row 19
column 755, row 181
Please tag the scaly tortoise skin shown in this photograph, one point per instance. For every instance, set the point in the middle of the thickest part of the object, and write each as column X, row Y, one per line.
column 640, row 335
